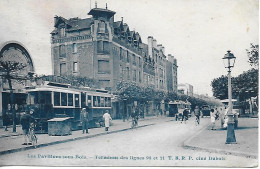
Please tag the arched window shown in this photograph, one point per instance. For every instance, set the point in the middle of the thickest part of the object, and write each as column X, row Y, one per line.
column 101, row 27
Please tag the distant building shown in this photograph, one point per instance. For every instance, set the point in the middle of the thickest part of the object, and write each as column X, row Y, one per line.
column 186, row 89
column 108, row 51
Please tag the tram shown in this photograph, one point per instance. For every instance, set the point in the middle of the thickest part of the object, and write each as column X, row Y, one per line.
column 177, row 107
column 56, row 100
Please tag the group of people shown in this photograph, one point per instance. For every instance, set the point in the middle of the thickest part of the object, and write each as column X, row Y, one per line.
column 84, row 119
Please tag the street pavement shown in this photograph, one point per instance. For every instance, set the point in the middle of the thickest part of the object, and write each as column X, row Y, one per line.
column 214, row 140
column 158, row 143
column 12, row 142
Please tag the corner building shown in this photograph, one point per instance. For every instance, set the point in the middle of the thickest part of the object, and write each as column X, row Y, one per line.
column 108, row 51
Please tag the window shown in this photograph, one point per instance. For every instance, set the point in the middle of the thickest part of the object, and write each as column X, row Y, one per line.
column 101, row 27
column 75, row 48
column 103, row 47
column 56, row 98
column 62, row 51
column 106, row 47
column 62, row 68
column 127, row 57
column 96, row 101
column 62, row 32
column 109, row 102
column 134, row 77
column 70, row 99
column 103, row 66
column 64, row 99
column 76, row 100
column 121, row 54
column 100, row 46
column 102, row 102
column 89, row 100
column 140, row 62
column 83, row 99
column 140, row 78
column 134, row 61
column 75, row 66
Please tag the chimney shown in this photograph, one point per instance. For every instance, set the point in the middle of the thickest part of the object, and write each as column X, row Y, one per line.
column 150, row 46
column 170, row 58
column 55, row 19
column 163, row 50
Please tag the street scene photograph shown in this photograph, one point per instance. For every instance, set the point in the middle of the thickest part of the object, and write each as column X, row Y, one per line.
column 110, row 83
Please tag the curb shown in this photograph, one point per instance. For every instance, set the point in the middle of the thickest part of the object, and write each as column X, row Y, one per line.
column 69, row 140
column 211, row 150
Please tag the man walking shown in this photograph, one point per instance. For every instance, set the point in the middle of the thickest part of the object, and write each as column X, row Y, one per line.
column 107, row 119
column 197, row 114
column 185, row 115
column 84, row 120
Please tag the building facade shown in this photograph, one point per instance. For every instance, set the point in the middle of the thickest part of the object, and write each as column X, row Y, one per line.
column 186, row 89
column 108, row 51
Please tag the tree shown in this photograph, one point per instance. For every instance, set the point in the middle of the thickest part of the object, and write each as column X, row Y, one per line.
column 220, row 87
column 10, row 71
column 244, row 86
column 253, row 56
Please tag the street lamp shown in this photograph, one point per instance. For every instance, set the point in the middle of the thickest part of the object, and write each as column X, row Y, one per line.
column 229, row 61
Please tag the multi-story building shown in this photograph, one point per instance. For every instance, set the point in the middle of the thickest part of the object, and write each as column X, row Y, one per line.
column 108, row 51
column 186, row 89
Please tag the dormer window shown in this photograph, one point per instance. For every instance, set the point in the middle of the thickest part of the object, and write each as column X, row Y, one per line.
column 62, row 32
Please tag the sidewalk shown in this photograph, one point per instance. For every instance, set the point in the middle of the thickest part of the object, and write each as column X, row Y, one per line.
column 214, row 140
column 12, row 142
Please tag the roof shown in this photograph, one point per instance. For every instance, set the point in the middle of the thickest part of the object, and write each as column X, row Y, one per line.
column 73, row 23
column 96, row 11
column 125, row 27
column 117, row 24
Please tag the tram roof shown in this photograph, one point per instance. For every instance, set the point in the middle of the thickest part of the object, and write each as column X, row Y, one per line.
column 68, row 90
column 179, row 102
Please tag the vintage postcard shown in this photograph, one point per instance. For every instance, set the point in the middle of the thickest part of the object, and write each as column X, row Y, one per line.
column 137, row 83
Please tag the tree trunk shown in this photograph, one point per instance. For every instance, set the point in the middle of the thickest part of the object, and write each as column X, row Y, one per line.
column 12, row 104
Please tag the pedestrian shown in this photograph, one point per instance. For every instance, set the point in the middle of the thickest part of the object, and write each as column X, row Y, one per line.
column 185, row 114
column 26, row 119
column 107, row 119
column 197, row 114
column 6, row 121
column 213, row 118
column 84, row 120
column 221, row 116
column 216, row 113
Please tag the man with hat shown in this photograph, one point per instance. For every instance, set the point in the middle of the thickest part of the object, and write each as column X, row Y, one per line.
column 84, row 120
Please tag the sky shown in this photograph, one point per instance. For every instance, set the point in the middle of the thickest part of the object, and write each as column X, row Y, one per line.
column 197, row 32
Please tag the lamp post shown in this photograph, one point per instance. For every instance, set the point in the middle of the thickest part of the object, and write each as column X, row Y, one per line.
column 229, row 61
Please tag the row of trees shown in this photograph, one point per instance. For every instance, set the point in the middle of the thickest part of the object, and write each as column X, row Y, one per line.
column 130, row 92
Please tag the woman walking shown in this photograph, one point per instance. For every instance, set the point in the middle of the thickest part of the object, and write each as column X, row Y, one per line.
column 213, row 118
column 107, row 119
